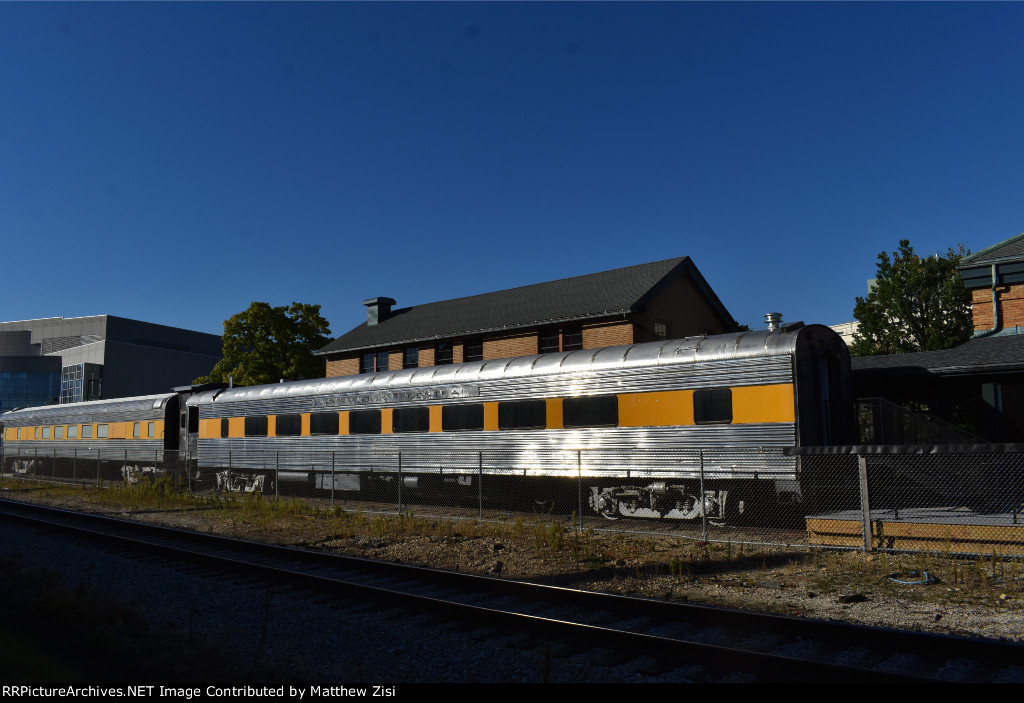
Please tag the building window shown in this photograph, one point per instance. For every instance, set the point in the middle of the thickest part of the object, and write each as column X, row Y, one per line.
column 473, row 350
column 374, row 362
column 444, row 354
column 411, row 359
column 660, row 329
column 559, row 339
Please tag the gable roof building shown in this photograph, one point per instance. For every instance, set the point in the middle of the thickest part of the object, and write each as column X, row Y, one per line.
column 995, row 278
column 624, row 306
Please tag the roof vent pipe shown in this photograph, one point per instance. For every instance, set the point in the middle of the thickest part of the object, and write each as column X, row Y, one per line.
column 774, row 320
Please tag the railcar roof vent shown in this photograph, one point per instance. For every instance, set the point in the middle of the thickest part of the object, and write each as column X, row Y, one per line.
column 774, row 320
column 378, row 310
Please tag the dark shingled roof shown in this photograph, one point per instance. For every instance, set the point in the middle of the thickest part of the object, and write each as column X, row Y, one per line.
column 1003, row 353
column 567, row 300
column 1006, row 250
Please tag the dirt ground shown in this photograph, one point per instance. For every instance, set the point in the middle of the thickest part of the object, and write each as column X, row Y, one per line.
column 971, row 597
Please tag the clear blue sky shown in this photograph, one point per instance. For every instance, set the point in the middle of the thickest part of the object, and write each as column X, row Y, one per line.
column 174, row 162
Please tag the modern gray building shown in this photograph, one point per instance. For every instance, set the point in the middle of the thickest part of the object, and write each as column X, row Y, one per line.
column 68, row 360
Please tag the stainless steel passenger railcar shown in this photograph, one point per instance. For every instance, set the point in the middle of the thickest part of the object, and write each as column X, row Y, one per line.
column 623, row 420
column 125, row 437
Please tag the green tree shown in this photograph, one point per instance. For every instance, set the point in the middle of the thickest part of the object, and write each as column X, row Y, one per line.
column 264, row 344
column 915, row 305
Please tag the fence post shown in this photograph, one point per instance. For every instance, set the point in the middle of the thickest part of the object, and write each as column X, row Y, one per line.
column 98, row 466
column 480, row 486
column 865, row 502
column 277, row 475
column 703, row 500
column 53, row 467
column 399, row 481
column 124, row 467
column 74, row 466
column 579, row 490
column 332, row 478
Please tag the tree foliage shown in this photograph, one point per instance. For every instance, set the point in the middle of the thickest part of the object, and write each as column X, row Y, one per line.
column 916, row 304
column 264, row 344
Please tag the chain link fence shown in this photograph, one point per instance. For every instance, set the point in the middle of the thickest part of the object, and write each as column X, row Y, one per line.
column 958, row 500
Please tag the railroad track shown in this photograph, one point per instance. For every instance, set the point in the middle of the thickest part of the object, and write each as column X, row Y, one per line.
column 653, row 640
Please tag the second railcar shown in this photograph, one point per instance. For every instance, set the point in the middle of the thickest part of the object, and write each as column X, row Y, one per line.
column 631, row 422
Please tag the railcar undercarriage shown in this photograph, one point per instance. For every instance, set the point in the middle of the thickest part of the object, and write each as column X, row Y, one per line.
column 662, row 500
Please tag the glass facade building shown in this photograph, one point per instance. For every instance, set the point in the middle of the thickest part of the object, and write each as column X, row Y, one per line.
column 81, row 382
column 26, row 382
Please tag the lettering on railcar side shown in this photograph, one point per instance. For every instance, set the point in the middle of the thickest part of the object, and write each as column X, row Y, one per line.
column 395, row 396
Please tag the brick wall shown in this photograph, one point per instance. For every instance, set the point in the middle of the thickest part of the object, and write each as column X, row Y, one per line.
column 343, row 366
column 521, row 344
column 1011, row 306
column 607, row 334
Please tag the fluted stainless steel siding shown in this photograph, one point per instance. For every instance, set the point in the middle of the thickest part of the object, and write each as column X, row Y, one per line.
column 148, row 407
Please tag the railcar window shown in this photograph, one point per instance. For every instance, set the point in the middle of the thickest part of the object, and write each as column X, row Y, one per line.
column 522, row 415
column 223, row 427
column 101, row 430
column 86, row 431
column 289, row 425
column 72, row 431
column 323, row 423
column 46, row 433
column 462, row 418
column 364, row 422
column 594, row 411
column 411, row 420
column 19, row 433
column 58, row 432
column 151, row 430
column 35, row 435
column 255, row 425
column 712, row 406
column 135, row 430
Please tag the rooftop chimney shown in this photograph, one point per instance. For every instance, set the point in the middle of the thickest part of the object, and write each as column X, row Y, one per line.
column 377, row 310
column 774, row 320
